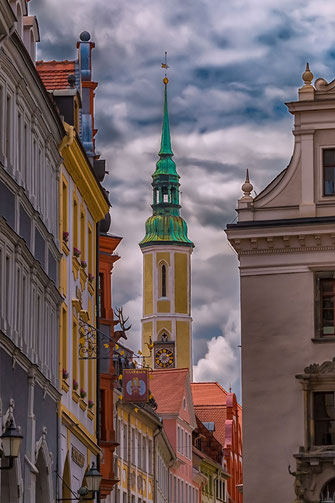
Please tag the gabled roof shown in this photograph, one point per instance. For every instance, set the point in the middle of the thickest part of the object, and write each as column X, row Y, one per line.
column 54, row 74
column 169, row 387
column 208, row 393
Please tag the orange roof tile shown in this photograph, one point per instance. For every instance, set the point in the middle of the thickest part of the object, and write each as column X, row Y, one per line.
column 208, row 393
column 216, row 414
column 168, row 389
column 54, row 74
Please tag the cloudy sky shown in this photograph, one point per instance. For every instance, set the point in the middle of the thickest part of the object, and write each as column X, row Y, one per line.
column 233, row 65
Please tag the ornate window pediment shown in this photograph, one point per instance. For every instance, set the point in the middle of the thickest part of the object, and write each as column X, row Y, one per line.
column 315, row 462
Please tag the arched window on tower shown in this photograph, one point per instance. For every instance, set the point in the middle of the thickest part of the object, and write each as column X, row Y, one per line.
column 163, row 273
column 173, row 195
column 165, row 195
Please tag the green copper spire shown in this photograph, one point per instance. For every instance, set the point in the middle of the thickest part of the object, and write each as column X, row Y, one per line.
column 166, row 139
column 165, row 226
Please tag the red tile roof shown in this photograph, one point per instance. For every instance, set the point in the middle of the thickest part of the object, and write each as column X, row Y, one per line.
column 168, row 389
column 54, row 74
column 210, row 403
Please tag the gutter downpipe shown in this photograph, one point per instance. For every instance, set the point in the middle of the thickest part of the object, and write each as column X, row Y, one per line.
column 97, row 426
column 156, row 433
column 129, row 451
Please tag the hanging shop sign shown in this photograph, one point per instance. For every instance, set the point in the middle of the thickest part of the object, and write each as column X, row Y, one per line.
column 135, row 386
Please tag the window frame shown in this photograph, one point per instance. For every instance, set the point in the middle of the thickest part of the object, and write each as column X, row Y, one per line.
column 318, row 305
column 316, row 378
column 323, row 150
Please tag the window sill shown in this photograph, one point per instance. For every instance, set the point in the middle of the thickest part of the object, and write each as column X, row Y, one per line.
column 90, row 414
column 82, row 404
column 90, row 288
column 65, row 385
column 75, row 396
column 321, row 340
column 65, row 248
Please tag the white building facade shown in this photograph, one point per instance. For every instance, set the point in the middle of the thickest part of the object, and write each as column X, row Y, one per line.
column 30, row 131
column 284, row 238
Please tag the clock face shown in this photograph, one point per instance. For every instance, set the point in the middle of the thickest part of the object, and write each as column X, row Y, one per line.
column 164, row 358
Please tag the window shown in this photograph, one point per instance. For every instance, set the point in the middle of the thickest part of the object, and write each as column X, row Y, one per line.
column 64, row 338
column 144, row 459
column 324, row 304
column 139, row 450
column 150, row 456
column 90, row 250
column 324, row 418
column 75, row 343
column 329, row 171
column 75, row 222
column 163, row 280
column 8, row 127
column 82, row 235
column 124, row 453
column 133, row 447
column 64, row 207
column 327, row 289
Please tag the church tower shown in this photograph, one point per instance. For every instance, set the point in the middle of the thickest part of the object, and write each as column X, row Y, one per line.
column 167, row 267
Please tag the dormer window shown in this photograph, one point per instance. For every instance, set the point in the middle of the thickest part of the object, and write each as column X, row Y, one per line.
column 329, row 171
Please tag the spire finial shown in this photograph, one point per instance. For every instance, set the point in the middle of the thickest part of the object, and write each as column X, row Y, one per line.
column 247, row 187
column 165, row 66
column 307, row 76
column 166, row 140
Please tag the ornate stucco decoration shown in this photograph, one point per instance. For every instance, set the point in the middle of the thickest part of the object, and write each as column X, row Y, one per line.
column 315, row 465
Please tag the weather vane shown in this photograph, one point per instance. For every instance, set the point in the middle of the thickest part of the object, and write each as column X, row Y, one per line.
column 165, row 66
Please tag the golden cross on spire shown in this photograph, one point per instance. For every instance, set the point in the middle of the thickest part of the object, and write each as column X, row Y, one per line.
column 165, row 66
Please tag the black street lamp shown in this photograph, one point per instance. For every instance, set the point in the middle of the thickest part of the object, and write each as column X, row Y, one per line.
column 93, row 479
column 11, row 442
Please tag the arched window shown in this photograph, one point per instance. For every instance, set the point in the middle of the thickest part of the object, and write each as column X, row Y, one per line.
column 328, row 492
column 163, row 272
column 19, row 20
column 173, row 196
column 165, row 195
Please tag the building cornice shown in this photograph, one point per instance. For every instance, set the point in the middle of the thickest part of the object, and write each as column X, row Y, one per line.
column 79, row 168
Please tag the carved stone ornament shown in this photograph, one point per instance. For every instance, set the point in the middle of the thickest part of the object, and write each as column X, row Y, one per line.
column 314, row 470
column 327, row 367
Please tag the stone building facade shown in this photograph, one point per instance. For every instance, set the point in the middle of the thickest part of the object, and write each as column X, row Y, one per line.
column 284, row 238
column 30, row 131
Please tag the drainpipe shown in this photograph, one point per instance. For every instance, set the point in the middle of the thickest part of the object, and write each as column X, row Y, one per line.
column 128, row 448
column 156, row 433
column 97, row 400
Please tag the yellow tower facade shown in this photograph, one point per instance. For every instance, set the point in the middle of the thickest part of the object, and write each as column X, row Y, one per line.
column 167, row 253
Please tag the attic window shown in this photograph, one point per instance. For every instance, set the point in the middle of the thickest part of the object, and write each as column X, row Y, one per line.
column 329, row 171
column 209, row 425
column 184, row 404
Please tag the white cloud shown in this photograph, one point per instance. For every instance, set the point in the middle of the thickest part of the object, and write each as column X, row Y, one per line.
column 221, row 362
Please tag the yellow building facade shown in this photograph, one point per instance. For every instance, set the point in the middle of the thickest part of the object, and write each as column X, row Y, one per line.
column 82, row 205
column 167, row 322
